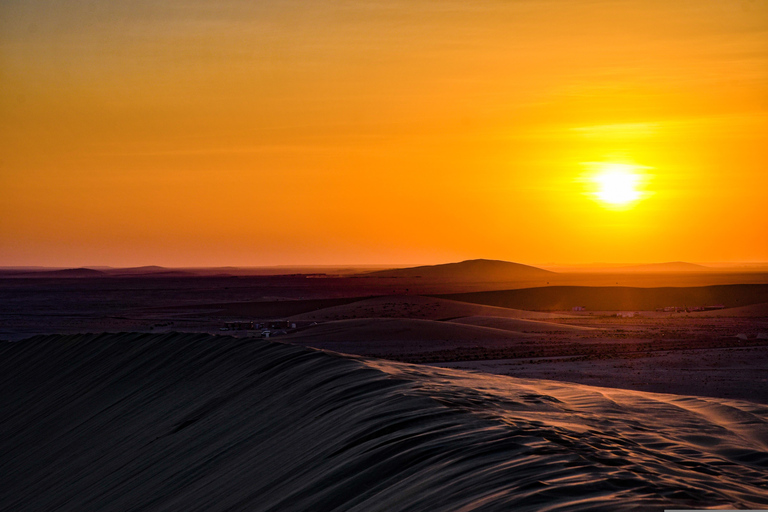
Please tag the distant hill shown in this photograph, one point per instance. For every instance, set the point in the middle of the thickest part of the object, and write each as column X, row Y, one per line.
column 470, row 270
column 149, row 271
column 67, row 272
column 672, row 266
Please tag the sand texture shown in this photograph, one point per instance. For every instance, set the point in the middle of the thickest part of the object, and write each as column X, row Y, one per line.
column 198, row 422
column 729, row 373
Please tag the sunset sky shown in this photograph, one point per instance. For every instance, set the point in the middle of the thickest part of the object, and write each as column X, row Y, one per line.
column 194, row 133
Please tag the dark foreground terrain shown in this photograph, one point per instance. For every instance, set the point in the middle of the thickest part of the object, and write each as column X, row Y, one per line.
column 204, row 423
column 517, row 332
column 174, row 416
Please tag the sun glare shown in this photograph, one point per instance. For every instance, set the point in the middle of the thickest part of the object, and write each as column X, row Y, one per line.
column 617, row 184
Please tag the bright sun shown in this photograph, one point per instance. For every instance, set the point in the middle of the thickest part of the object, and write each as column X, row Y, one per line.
column 617, row 184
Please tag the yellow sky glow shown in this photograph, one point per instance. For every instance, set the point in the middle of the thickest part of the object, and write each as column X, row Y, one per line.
column 295, row 132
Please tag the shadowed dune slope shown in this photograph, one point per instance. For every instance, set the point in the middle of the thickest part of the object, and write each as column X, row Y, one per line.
column 391, row 336
column 519, row 324
column 402, row 330
column 197, row 422
column 414, row 306
column 617, row 298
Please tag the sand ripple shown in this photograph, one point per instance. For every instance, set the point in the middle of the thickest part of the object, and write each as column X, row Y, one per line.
column 196, row 422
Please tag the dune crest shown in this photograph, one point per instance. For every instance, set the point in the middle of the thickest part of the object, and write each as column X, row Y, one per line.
column 199, row 422
column 520, row 324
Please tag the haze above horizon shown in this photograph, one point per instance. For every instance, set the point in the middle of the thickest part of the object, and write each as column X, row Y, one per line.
column 187, row 134
column 457, row 268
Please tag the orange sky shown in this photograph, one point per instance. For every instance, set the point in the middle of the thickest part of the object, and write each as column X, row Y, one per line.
column 300, row 132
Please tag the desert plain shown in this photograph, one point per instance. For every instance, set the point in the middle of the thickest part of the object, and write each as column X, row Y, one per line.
column 495, row 317
column 480, row 385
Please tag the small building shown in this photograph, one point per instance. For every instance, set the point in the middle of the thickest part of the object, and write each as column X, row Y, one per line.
column 579, row 308
column 238, row 326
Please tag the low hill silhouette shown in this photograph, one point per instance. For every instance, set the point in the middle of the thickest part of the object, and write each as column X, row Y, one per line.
column 66, row 272
column 671, row 266
column 469, row 270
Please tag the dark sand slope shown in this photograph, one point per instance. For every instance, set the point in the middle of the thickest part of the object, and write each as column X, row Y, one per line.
column 520, row 325
column 415, row 306
column 618, row 298
column 195, row 422
column 388, row 337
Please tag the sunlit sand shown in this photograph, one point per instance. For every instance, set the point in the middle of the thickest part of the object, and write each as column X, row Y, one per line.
column 195, row 421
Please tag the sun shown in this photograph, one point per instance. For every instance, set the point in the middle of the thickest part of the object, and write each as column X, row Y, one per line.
column 617, row 184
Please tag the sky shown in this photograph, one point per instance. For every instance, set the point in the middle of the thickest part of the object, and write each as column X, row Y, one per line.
column 297, row 132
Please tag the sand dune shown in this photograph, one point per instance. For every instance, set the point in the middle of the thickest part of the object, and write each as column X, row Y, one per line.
column 412, row 306
column 196, row 422
column 519, row 324
column 275, row 309
column 394, row 336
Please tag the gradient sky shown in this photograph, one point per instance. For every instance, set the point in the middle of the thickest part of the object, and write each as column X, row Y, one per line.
column 192, row 133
